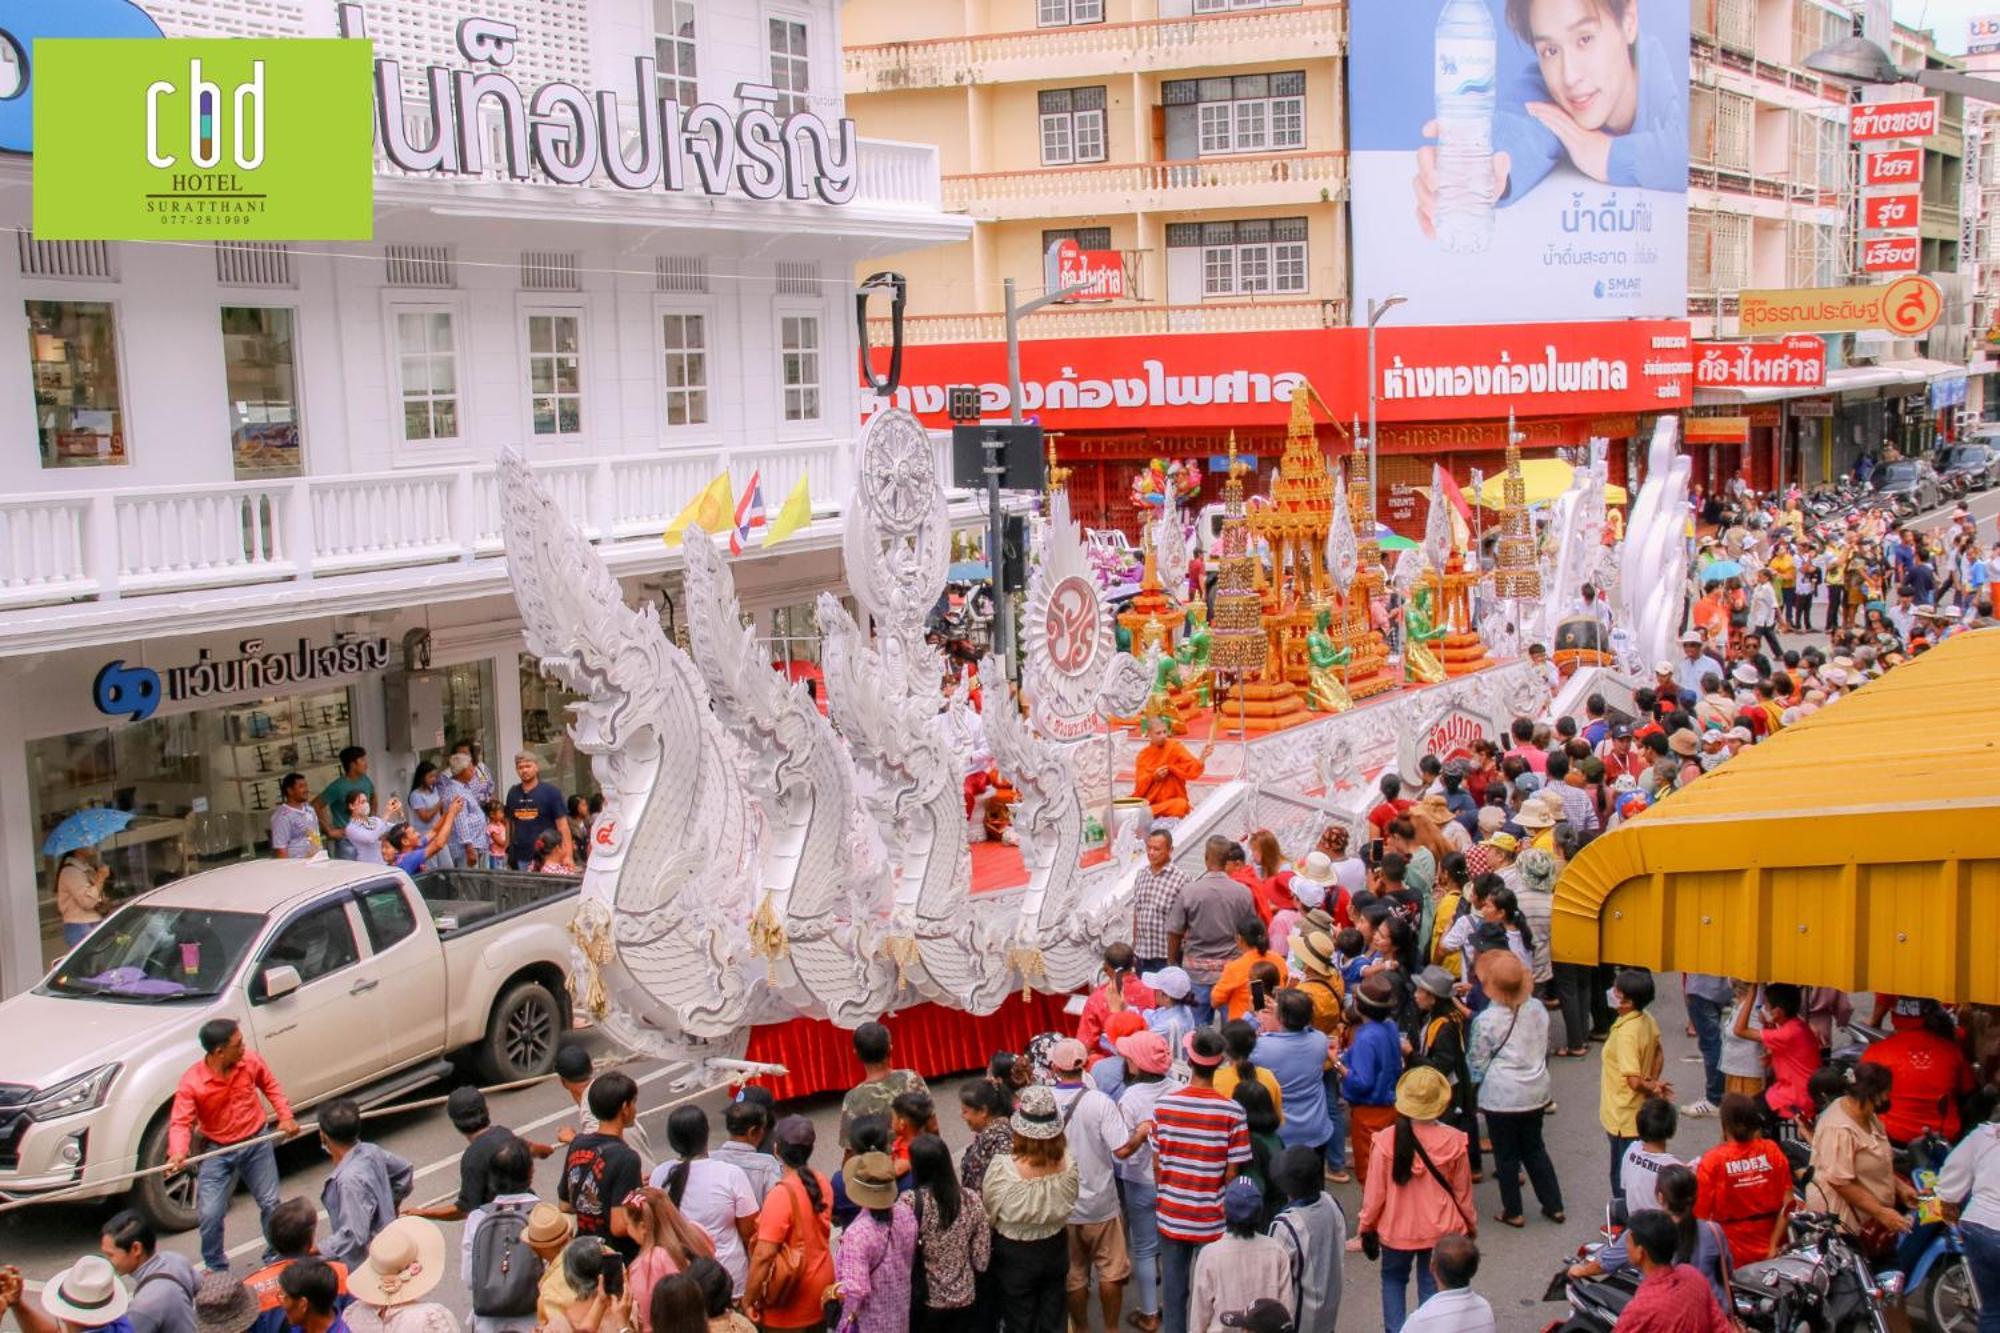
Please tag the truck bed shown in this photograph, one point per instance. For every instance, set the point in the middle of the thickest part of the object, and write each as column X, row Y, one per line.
column 466, row 900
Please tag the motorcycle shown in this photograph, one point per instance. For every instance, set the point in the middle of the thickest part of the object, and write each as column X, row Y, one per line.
column 1939, row 1286
column 1822, row 1284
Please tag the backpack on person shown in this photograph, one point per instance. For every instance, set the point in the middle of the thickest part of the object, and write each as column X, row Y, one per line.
column 506, row 1271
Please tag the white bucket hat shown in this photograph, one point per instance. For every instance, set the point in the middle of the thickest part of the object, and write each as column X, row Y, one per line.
column 87, row 1293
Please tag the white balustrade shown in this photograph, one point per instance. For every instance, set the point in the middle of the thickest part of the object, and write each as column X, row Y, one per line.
column 184, row 536
column 102, row 545
column 42, row 550
column 1125, row 186
column 1144, row 45
column 897, row 175
column 1121, row 321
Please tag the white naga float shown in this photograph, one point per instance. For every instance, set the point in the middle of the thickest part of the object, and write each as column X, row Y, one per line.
column 758, row 861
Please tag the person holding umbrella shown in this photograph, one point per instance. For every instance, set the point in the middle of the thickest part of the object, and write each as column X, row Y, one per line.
column 80, row 875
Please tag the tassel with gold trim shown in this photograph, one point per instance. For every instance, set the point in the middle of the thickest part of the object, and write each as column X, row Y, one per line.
column 1028, row 960
column 591, row 929
column 767, row 933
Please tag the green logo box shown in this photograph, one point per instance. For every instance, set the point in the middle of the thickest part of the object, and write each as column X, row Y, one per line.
column 200, row 140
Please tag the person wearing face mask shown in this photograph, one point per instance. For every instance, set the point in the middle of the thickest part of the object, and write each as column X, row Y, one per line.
column 364, row 829
column 1854, row 1175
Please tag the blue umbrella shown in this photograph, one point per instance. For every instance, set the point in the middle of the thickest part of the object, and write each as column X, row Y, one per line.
column 1721, row 569
column 967, row 571
column 85, row 828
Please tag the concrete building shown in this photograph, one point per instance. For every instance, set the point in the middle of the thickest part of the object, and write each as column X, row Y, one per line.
column 260, row 519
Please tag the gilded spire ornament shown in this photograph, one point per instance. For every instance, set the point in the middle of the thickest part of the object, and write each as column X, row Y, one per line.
column 1517, row 574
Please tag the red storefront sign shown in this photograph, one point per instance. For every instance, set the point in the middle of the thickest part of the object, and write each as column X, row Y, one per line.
column 1888, row 212
column 1889, row 254
column 1893, row 166
column 1794, row 362
column 1101, row 273
column 1446, row 373
column 1915, row 119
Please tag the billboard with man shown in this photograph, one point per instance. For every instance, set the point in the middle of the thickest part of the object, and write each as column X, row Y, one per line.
column 1520, row 159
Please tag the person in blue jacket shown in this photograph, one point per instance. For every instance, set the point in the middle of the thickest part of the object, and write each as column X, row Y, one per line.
column 1374, row 1061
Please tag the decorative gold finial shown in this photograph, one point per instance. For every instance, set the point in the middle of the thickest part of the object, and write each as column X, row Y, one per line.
column 1058, row 476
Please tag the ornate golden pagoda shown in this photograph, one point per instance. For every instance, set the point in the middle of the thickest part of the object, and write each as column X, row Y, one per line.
column 1239, row 644
column 1295, row 526
column 1367, row 671
column 1517, row 572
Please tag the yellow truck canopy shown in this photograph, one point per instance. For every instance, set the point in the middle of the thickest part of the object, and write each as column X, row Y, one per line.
column 1859, row 848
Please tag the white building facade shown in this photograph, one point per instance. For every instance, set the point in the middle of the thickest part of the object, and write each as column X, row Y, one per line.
column 251, row 515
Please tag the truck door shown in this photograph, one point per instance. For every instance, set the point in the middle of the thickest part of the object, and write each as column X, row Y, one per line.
column 407, row 959
column 324, row 1036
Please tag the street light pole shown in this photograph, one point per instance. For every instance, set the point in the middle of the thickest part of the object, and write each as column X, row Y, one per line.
column 996, row 467
column 1376, row 309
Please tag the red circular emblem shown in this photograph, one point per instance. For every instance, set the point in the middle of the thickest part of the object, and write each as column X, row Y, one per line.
column 1070, row 626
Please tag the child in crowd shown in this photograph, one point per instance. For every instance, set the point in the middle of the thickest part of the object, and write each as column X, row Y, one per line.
column 1743, row 1057
column 1793, row 1048
column 1644, row 1160
column 496, row 833
column 1350, row 952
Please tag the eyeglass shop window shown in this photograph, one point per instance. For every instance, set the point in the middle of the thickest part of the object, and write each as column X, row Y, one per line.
column 198, row 786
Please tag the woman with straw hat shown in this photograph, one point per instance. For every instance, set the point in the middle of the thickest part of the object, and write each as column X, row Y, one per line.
column 876, row 1251
column 1029, row 1195
column 1419, row 1191
column 1509, row 1057
column 405, row 1263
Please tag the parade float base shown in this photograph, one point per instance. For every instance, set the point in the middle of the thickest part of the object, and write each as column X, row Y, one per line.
column 929, row 1038
column 997, row 866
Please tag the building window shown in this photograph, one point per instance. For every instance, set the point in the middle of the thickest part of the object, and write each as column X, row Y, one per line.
column 791, row 68
column 799, row 348
column 684, row 340
column 555, row 374
column 795, row 636
column 261, row 372
column 673, row 50
column 1246, row 113
column 1072, row 125
column 1086, row 238
column 73, row 356
column 1063, row 13
column 1252, row 257
column 428, row 348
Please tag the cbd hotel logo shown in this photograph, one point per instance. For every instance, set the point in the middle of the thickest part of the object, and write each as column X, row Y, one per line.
column 145, row 138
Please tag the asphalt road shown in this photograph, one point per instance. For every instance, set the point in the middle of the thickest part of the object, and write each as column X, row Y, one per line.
column 1514, row 1272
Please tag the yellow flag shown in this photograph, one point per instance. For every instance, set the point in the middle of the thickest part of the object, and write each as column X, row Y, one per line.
column 714, row 509
column 796, row 513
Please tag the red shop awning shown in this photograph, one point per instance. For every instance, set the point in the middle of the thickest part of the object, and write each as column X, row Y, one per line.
column 928, row 1038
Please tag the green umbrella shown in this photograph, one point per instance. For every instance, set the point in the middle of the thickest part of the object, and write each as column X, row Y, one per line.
column 1397, row 542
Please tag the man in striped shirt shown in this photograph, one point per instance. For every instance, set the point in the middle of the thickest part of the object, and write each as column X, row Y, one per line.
column 1201, row 1139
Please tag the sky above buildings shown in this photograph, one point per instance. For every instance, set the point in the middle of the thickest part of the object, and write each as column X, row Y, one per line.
column 1946, row 18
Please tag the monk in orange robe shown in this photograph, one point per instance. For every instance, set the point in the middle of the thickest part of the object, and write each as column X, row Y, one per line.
column 1163, row 769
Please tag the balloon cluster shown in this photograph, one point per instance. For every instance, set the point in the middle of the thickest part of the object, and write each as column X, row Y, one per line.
column 1149, row 487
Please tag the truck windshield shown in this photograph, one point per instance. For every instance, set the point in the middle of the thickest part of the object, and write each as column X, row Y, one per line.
column 152, row 954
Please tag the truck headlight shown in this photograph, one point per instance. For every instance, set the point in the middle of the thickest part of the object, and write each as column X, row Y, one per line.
column 85, row 1092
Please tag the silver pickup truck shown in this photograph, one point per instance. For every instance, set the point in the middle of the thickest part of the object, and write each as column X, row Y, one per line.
column 347, row 979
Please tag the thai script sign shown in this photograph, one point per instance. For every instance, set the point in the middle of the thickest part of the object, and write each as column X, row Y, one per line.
column 1889, row 212
column 1429, row 374
column 136, row 692
column 1906, row 307
column 1101, row 273
column 1889, row 254
column 570, row 137
column 1915, row 119
column 1893, row 166
column 1793, row 362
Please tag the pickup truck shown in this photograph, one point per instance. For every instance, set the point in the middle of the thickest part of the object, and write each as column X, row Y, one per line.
column 348, row 979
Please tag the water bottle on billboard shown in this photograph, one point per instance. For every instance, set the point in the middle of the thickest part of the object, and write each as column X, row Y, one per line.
column 1464, row 86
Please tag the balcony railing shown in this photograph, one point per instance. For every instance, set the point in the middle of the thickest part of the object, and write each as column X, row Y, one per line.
column 115, row 543
column 1125, row 187
column 1143, row 46
column 1943, row 216
column 1123, row 321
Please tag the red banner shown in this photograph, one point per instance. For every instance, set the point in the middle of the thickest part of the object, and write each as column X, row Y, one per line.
column 1893, row 166
column 1101, row 273
column 1794, row 362
column 1444, row 373
column 1889, row 254
column 1916, row 119
column 1890, row 212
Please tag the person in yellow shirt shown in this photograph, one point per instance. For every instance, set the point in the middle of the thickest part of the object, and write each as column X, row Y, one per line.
column 1633, row 1060
column 1784, row 569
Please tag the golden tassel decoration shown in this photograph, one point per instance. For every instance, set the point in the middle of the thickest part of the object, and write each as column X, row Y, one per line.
column 902, row 951
column 593, row 941
column 1033, row 970
column 767, row 933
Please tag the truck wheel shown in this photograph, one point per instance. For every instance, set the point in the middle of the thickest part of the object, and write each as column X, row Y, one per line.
column 521, row 1035
column 166, row 1201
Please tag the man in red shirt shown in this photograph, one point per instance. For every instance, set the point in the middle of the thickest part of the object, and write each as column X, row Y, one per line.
column 1932, row 1077
column 1621, row 757
column 1121, row 969
column 218, row 1096
column 1793, row 1048
column 1392, row 803
column 1672, row 1298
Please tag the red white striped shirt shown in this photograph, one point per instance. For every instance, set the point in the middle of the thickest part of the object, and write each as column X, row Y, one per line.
column 1197, row 1134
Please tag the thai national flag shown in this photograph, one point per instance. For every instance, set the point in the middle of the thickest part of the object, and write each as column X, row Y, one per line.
column 749, row 514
